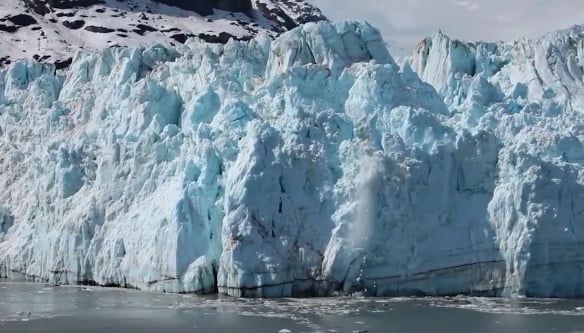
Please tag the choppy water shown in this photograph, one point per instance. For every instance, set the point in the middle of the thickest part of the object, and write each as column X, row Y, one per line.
column 27, row 307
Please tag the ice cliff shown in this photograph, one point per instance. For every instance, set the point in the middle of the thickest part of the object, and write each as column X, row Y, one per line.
column 308, row 165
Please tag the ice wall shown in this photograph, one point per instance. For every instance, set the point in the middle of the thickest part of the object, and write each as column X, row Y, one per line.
column 529, row 94
column 308, row 165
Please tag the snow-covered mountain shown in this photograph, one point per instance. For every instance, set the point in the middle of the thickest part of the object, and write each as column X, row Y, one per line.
column 305, row 165
column 53, row 30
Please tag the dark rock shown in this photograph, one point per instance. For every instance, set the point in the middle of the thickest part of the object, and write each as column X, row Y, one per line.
column 181, row 38
column 146, row 27
column 141, row 29
column 242, row 6
column 5, row 61
column 205, row 7
column 69, row 4
column 222, row 38
column 61, row 14
column 39, row 7
column 22, row 20
column 99, row 30
column 277, row 15
column 63, row 64
column 8, row 28
column 43, row 7
column 201, row 7
column 77, row 24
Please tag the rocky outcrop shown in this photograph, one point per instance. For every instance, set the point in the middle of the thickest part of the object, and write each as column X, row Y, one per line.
column 201, row 7
column 54, row 30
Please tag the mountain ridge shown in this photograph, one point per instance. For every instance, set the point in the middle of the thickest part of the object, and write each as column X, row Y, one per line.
column 53, row 30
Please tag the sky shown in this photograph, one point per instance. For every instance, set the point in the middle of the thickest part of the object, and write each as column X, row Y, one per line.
column 403, row 23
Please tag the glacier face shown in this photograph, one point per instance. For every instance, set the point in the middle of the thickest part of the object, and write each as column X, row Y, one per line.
column 530, row 95
column 308, row 165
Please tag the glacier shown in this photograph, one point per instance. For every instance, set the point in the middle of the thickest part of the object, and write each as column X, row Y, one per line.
column 309, row 165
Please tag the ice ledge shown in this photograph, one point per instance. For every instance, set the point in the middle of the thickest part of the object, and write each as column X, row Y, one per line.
column 548, row 68
column 335, row 46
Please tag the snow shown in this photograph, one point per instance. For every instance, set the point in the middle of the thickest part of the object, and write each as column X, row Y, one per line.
column 131, row 23
column 304, row 166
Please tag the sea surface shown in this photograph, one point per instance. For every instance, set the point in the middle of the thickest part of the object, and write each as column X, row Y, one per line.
column 30, row 307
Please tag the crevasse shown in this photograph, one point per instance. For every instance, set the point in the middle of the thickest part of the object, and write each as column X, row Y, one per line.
column 309, row 165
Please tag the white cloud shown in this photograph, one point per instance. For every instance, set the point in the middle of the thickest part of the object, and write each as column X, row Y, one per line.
column 404, row 22
column 471, row 6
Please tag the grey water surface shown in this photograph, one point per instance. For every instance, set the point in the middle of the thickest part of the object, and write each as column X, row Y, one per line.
column 29, row 307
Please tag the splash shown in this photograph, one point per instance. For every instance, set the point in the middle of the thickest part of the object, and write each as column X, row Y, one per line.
column 369, row 180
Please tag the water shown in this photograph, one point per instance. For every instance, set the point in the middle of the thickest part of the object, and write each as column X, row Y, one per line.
column 26, row 307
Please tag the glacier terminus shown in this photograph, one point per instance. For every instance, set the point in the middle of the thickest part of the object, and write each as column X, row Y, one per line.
column 312, row 164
